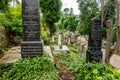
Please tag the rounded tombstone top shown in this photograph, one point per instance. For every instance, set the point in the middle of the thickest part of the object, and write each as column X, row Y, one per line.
column 96, row 21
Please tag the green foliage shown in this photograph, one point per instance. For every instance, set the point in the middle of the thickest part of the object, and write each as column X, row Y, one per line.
column 5, row 68
column 4, row 5
column 15, row 17
column 44, row 33
column 104, row 32
column 88, row 71
column 4, row 20
column 89, row 9
column 96, row 71
column 74, row 50
column 51, row 12
column 59, row 25
column 66, row 11
column 40, row 68
column 12, row 20
column 114, row 34
column 64, row 56
column 91, row 71
column 109, row 12
column 71, row 22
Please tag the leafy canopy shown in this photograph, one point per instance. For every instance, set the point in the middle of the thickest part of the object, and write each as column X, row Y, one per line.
column 51, row 12
column 88, row 10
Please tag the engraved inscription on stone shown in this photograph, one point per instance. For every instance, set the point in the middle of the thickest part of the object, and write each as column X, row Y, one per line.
column 31, row 49
column 31, row 22
column 31, row 46
column 94, row 45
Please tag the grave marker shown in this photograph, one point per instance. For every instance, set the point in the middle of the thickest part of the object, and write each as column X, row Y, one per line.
column 31, row 46
column 94, row 52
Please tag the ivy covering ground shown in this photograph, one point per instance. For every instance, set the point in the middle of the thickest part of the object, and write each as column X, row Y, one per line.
column 40, row 68
column 88, row 71
column 69, row 66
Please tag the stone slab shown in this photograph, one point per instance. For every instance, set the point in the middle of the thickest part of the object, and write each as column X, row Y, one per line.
column 12, row 55
column 64, row 48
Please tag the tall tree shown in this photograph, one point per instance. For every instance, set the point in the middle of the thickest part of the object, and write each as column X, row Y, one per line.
column 117, row 48
column 51, row 13
column 66, row 11
column 71, row 22
column 88, row 10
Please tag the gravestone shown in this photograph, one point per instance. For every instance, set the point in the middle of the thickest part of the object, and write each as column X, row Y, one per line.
column 31, row 46
column 94, row 52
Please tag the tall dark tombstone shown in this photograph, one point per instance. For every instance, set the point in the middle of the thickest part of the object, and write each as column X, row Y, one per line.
column 31, row 46
column 94, row 52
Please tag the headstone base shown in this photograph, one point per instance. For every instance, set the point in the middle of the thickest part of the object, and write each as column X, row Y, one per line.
column 93, row 56
column 30, row 49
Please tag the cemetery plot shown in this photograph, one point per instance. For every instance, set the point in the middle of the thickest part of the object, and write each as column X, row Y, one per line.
column 31, row 46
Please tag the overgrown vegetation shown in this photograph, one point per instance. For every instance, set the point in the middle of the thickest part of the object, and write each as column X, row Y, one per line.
column 95, row 71
column 12, row 20
column 71, row 22
column 51, row 13
column 40, row 68
column 87, row 71
column 88, row 10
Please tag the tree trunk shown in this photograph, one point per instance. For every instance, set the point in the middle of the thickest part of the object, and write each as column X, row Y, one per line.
column 117, row 47
column 102, row 12
column 109, row 39
column 51, row 35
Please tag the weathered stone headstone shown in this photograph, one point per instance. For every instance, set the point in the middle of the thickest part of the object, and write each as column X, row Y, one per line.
column 94, row 52
column 31, row 46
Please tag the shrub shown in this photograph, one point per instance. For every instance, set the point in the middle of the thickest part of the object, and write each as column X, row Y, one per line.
column 88, row 71
column 15, row 17
column 43, row 33
column 12, row 20
column 92, row 71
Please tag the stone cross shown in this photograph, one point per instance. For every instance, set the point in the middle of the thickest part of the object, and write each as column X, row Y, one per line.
column 31, row 46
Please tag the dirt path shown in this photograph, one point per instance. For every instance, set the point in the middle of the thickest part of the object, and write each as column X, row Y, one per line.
column 65, row 74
